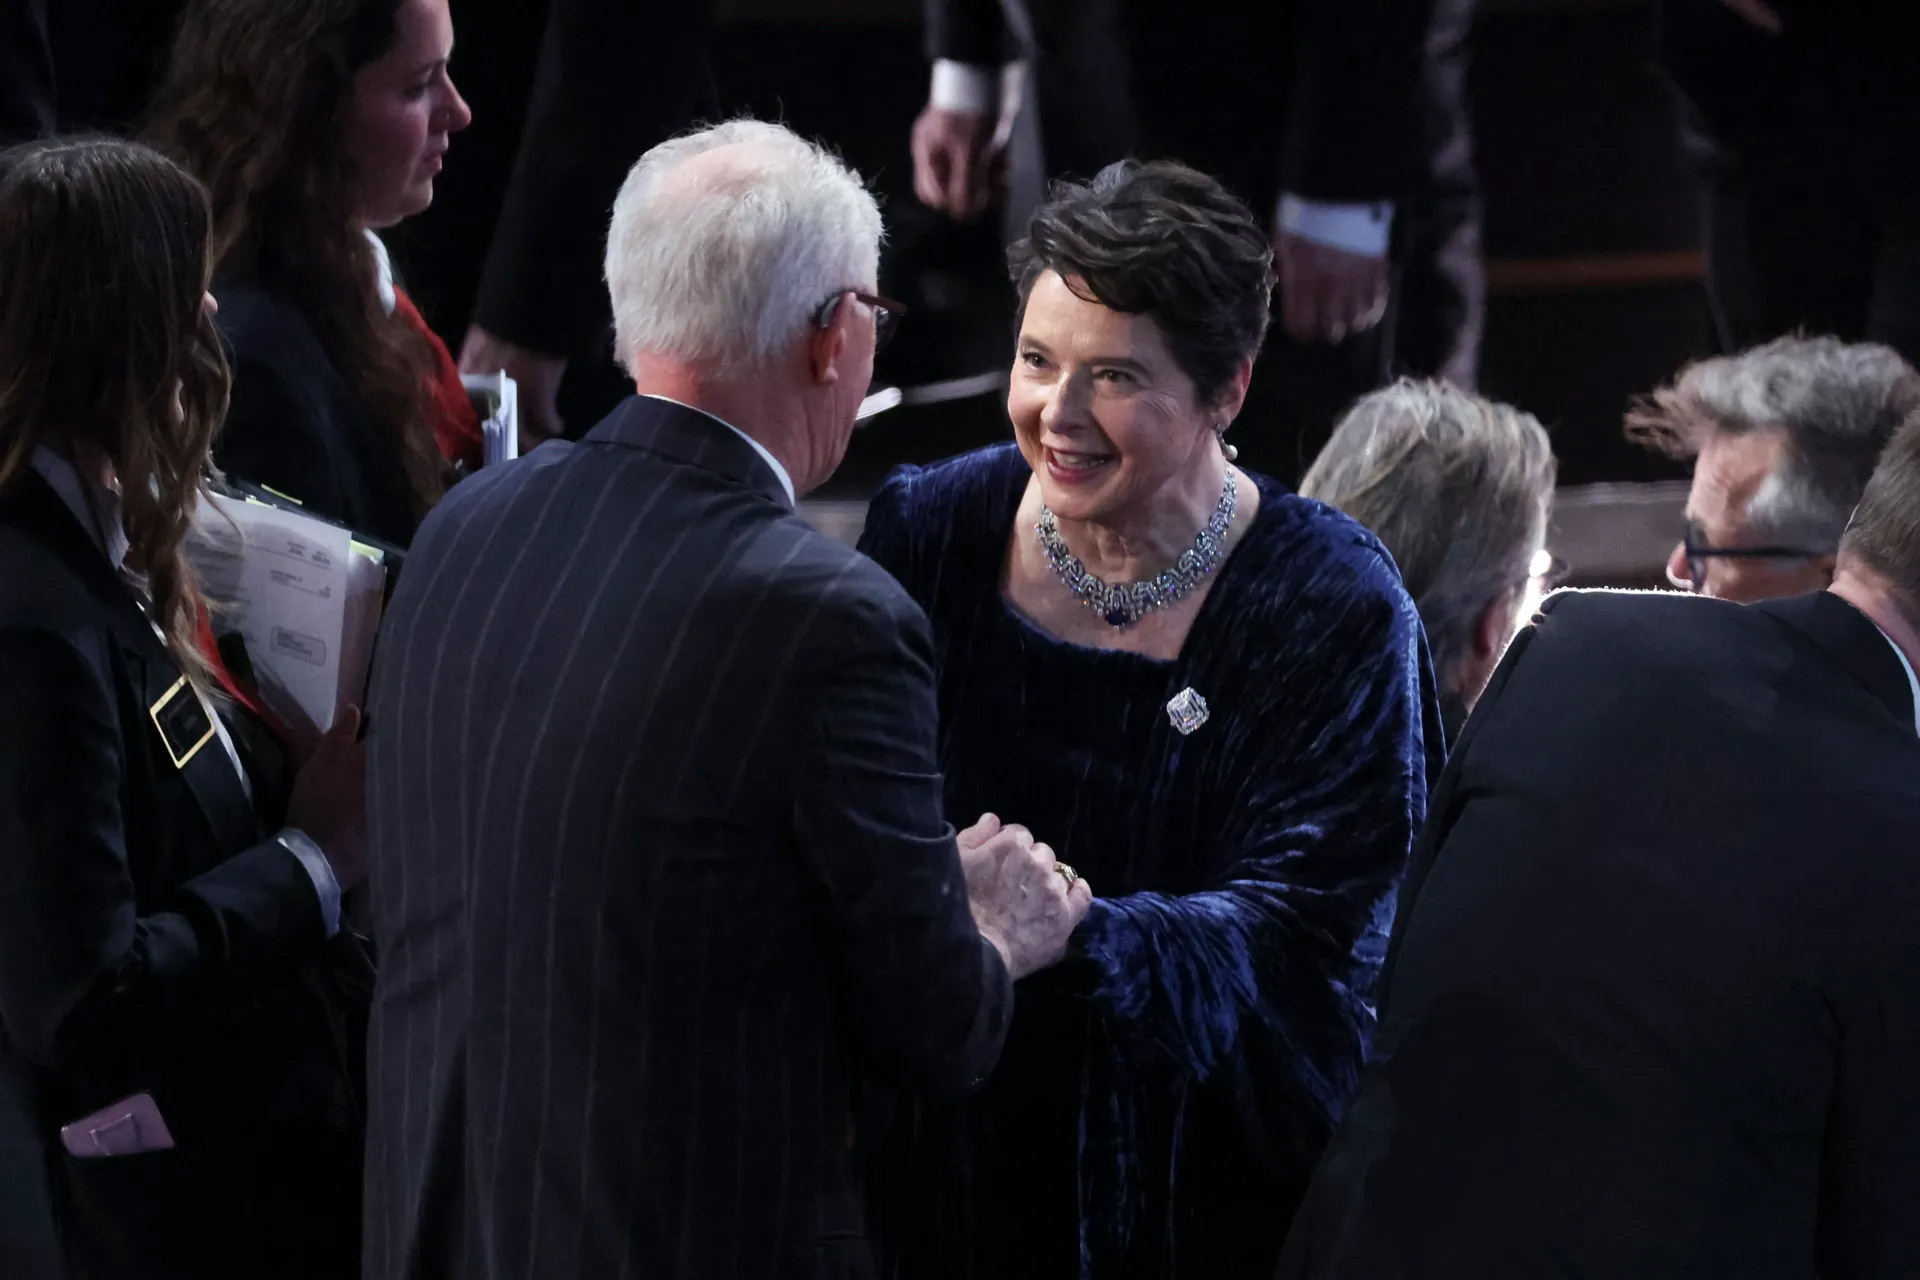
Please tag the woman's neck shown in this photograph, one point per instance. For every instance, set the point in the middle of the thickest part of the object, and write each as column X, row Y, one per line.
column 1138, row 543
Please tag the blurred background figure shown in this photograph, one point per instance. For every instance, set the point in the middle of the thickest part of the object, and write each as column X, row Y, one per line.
column 571, row 91
column 315, row 124
column 1782, row 440
column 1459, row 488
column 1343, row 122
column 1802, row 119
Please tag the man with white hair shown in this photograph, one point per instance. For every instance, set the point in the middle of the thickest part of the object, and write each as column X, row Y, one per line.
column 660, row 872
column 1782, row 439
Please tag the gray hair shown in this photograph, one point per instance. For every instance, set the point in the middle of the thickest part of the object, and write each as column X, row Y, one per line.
column 1458, row 488
column 728, row 266
column 1836, row 403
column 1885, row 533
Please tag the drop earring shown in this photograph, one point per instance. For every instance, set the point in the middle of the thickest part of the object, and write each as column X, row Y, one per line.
column 1220, row 434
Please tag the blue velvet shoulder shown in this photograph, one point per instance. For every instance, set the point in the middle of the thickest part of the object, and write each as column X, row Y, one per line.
column 927, row 519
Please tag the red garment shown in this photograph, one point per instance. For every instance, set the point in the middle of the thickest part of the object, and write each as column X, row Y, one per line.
column 456, row 426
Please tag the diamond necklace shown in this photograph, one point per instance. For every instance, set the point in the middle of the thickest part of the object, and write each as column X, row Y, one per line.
column 1124, row 603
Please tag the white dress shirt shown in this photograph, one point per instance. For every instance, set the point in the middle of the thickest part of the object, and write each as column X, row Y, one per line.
column 98, row 511
column 1913, row 679
column 1362, row 229
column 780, row 472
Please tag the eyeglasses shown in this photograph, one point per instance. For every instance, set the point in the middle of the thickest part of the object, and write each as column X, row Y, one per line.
column 887, row 314
column 1697, row 553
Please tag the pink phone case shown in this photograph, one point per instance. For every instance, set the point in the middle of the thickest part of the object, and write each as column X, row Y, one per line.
column 126, row 1128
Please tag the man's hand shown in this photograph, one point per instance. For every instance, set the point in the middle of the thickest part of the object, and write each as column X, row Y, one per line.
column 1327, row 294
column 956, row 168
column 1758, row 12
column 1021, row 901
column 537, row 374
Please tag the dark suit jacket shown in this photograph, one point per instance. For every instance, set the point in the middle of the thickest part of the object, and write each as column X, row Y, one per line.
column 1324, row 94
column 149, row 941
column 1652, row 1005
column 659, row 873
column 295, row 424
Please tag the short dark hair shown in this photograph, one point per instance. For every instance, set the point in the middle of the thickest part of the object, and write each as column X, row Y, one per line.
column 1163, row 241
column 1885, row 532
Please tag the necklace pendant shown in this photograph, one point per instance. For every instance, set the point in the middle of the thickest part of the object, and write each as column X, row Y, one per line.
column 1117, row 617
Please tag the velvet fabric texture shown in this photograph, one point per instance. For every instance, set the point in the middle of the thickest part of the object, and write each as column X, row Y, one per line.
column 1165, row 1092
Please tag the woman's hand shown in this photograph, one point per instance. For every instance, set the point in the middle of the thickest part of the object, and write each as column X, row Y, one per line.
column 329, row 801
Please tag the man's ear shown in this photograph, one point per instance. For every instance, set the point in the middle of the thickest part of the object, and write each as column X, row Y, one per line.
column 825, row 346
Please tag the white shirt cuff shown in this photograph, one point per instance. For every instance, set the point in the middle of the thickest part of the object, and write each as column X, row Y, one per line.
column 301, row 846
column 965, row 87
column 1355, row 228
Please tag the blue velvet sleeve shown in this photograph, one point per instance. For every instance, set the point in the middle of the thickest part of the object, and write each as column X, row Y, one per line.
column 1259, row 984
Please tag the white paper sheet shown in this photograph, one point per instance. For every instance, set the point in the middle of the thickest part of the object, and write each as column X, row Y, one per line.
column 501, row 432
column 304, row 601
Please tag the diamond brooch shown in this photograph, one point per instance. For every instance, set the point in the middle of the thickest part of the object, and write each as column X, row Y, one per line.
column 1188, row 711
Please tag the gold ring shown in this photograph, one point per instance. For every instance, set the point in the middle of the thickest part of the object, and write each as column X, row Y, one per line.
column 1072, row 877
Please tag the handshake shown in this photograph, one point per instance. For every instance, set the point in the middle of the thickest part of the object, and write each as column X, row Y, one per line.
column 1024, row 902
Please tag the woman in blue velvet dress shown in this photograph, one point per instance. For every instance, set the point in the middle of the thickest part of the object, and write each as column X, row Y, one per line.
column 1212, row 698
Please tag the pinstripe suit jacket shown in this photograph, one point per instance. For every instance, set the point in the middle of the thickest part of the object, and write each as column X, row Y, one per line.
column 659, row 873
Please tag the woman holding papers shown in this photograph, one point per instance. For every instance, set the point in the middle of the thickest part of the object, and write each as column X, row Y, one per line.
column 175, row 1091
column 314, row 124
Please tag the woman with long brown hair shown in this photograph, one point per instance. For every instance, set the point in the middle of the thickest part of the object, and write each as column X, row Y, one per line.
column 315, row 123
column 174, row 1096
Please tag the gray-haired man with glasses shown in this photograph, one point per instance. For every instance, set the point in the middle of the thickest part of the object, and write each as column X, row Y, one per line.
column 1782, row 439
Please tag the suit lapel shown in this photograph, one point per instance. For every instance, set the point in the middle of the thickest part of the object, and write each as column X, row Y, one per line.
column 175, row 730
column 1851, row 639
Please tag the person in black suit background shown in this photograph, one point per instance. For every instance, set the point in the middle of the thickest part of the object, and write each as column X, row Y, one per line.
column 1802, row 118
column 1652, row 1002
column 157, row 936
column 1346, row 120
column 660, row 876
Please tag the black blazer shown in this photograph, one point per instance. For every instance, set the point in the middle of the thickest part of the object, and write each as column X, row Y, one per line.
column 295, row 424
column 1652, row 1004
column 659, row 873
column 1325, row 94
column 149, row 941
